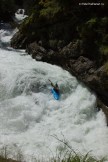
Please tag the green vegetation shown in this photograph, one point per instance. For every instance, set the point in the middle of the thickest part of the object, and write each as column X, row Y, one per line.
column 49, row 8
column 2, row 159
column 65, row 153
column 68, row 157
column 93, row 34
column 61, row 20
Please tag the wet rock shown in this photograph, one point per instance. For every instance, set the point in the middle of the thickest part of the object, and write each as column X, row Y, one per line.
column 18, row 37
column 72, row 50
column 83, row 68
column 36, row 51
column 82, row 65
column 104, row 108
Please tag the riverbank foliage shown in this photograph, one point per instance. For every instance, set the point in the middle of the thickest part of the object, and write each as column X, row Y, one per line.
column 66, row 154
column 70, row 158
column 56, row 21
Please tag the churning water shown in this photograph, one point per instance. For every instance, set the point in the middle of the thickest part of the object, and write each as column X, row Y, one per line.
column 29, row 115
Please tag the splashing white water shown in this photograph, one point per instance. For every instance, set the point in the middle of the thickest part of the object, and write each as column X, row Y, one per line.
column 29, row 115
column 20, row 15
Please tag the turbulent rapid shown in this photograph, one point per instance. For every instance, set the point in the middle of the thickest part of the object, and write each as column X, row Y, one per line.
column 30, row 117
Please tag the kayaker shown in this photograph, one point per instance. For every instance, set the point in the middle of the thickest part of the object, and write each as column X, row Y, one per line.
column 56, row 87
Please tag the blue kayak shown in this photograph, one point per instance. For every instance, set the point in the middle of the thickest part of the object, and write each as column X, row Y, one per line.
column 55, row 94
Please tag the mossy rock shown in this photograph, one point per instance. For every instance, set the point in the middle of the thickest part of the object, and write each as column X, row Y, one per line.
column 50, row 9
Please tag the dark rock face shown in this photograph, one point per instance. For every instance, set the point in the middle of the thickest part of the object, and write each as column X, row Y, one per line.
column 72, row 50
column 41, row 54
column 96, row 78
column 104, row 109
column 83, row 68
column 19, row 41
column 69, row 57
column 62, row 34
column 36, row 51
column 82, row 65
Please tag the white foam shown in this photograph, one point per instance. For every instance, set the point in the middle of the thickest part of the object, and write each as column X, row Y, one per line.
column 20, row 15
column 30, row 117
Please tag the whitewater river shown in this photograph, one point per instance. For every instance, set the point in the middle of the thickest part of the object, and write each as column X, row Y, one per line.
column 29, row 115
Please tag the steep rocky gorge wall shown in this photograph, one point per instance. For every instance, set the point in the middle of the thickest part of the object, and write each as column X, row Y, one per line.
column 96, row 78
column 86, row 70
column 58, row 35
